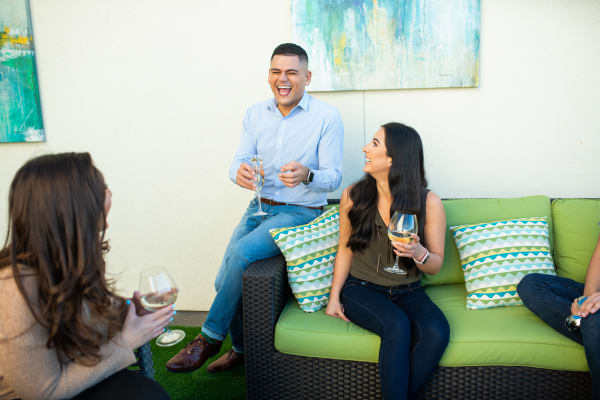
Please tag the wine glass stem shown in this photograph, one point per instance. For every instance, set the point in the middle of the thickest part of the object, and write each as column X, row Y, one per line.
column 259, row 205
column 396, row 263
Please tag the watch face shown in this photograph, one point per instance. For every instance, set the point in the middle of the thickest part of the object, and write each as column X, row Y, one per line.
column 309, row 177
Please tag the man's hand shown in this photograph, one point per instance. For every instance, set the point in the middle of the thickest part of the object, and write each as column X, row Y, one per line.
column 245, row 177
column 293, row 173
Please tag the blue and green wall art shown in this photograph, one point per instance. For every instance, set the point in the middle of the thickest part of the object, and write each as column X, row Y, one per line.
column 389, row 44
column 20, row 111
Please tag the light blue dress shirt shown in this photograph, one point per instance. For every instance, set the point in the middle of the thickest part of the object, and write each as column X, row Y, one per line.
column 311, row 134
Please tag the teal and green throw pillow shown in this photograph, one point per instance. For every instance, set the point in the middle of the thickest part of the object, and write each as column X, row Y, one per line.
column 495, row 256
column 309, row 252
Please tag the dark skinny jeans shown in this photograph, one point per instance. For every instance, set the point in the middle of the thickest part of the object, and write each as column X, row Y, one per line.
column 414, row 332
column 550, row 298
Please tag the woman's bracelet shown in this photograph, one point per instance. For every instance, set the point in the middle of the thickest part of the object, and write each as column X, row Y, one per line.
column 424, row 259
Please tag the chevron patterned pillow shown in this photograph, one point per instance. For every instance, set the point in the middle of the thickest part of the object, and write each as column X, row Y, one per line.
column 309, row 252
column 495, row 256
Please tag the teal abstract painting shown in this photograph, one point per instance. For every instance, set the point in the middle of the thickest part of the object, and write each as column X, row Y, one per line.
column 389, row 44
column 20, row 111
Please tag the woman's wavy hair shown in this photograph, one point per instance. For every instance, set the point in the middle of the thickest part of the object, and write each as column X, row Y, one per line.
column 56, row 226
column 406, row 180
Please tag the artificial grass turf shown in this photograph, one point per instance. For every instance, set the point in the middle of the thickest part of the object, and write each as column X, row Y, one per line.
column 227, row 385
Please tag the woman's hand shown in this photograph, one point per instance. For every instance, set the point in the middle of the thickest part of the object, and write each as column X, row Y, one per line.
column 138, row 330
column 414, row 249
column 589, row 306
column 336, row 309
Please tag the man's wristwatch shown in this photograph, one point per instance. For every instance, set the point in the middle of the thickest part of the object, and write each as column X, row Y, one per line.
column 309, row 177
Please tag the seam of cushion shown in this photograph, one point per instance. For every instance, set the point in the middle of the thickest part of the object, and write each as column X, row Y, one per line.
column 328, row 333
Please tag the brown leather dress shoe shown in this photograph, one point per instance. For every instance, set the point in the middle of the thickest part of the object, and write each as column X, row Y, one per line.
column 193, row 356
column 226, row 362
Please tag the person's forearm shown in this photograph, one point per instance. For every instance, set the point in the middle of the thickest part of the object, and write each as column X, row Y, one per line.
column 339, row 278
column 433, row 265
column 326, row 180
column 328, row 175
column 341, row 270
column 592, row 278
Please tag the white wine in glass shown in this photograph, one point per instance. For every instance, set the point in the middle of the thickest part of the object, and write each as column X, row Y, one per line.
column 400, row 229
column 256, row 162
column 155, row 301
column 159, row 290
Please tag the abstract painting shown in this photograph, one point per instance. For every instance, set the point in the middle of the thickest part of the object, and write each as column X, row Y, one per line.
column 20, row 111
column 389, row 44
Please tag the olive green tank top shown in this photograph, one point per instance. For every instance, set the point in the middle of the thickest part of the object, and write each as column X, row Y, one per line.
column 368, row 265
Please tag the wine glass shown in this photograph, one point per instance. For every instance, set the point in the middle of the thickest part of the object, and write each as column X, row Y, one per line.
column 400, row 229
column 256, row 162
column 159, row 290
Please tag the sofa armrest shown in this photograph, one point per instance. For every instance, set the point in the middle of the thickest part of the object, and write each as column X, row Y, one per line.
column 144, row 364
column 265, row 291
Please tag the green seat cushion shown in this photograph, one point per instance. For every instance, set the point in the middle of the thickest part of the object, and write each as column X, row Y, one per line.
column 474, row 211
column 499, row 336
column 576, row 234
column 511, row 336
column 319, row 335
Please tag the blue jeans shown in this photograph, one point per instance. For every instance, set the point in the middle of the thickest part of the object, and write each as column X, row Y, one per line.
column 550, row 298
column 250, row 241
column 414, row 332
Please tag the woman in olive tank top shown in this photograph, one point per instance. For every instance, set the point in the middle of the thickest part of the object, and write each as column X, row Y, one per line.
column 414, row 333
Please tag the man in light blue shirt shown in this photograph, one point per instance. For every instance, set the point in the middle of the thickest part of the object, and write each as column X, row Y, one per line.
column 300, row 139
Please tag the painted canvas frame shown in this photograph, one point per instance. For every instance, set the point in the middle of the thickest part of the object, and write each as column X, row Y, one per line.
column 389, row 44
column 20, row 110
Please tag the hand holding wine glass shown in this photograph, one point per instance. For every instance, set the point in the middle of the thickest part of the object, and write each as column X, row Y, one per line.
column 245, row 176
column 141, row 327
column 158, row 290
column 401, row 229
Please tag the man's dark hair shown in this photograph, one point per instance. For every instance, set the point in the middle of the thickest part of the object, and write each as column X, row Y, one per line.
column 290, row 49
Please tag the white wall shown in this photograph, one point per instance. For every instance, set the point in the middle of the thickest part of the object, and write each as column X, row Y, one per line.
column 156, row 90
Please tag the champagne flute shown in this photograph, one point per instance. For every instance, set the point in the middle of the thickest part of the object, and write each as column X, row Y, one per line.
column 159, row 290
column 256, row 162
column 400, row 229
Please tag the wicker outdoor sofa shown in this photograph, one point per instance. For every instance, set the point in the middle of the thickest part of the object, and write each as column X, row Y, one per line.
column 274, row 375
column 271, row 374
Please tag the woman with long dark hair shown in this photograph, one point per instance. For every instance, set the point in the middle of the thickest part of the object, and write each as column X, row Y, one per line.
column 63, row 330
column 414, row 333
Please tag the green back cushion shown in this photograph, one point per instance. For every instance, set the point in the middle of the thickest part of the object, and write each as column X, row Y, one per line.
column 472, row 211
column 495, row 256
column 511, row 336
column 576, row 234
column 309, row 252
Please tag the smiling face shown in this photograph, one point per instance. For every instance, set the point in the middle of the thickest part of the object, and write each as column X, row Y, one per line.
column 377, row 162
column 288, row 76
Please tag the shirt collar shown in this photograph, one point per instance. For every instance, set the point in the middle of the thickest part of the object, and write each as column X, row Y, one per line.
column 303, row 103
